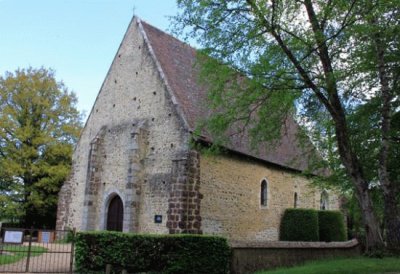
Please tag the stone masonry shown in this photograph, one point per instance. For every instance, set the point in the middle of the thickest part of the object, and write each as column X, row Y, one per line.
column 185, row 197
column 231, row 185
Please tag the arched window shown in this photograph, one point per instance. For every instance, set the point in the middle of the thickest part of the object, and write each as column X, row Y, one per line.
column 295, row 204
column 264, row 193
column 324, row 203
column 115, row 214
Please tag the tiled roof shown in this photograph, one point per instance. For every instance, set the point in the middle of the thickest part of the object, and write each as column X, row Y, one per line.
column 177, row 60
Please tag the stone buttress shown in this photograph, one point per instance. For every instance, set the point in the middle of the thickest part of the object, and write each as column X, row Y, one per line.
column 185, row 197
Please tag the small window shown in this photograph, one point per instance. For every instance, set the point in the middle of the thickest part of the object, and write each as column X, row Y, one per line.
column 295, row 204
column 324, row 203
column 264, row 193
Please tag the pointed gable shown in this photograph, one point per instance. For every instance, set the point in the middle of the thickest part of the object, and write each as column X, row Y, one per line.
column 177, row 62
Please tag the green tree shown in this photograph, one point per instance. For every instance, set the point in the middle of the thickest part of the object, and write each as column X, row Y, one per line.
column 39, row 127
column 364, row 127
column 318, row 60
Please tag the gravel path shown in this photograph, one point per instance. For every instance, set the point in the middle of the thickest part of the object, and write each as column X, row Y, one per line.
column 57, row 262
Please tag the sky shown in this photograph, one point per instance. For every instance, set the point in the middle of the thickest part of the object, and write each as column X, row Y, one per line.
column 76, row 38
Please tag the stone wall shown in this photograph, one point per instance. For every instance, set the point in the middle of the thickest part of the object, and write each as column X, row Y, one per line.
column 231, row 186
column 93, row 185
column 136, row 133
column 249, row 258
column 64, row 198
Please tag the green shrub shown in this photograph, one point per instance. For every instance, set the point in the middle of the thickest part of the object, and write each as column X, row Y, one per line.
column 151, row 253
column 331, row 226
column 299, row 225
column 65, row 237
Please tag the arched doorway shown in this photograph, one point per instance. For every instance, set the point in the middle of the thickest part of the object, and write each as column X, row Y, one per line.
column 115, row 214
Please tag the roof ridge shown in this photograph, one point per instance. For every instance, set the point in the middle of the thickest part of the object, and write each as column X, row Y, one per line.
column 168, row 34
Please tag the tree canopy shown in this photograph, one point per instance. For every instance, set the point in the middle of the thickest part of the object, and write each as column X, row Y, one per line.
column 333, row 64
column 39, row 127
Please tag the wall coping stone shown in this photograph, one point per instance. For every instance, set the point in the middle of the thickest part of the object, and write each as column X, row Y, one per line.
column 287, row 244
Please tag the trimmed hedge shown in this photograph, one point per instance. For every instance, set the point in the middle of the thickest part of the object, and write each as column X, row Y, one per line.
column 151, row 253
column 331, row 226
column 299, row 225
column 311, row 225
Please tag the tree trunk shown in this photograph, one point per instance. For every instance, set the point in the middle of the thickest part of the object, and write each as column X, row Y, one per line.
column 391, row 210
column 374, row 240
column 373, row 236
column 328, row 95
column 392, row 222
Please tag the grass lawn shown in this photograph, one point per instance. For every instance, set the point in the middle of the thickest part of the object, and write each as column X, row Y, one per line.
column 360, row 265
column 12, row 254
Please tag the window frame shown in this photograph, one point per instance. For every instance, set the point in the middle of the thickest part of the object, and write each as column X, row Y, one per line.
column 296, row 200
column 324, row 200
column 264, row 193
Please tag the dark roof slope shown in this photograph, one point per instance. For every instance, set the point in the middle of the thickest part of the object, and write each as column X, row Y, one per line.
column 177, row 61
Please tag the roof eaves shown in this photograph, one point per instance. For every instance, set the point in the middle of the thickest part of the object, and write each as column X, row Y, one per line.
column 206, row 140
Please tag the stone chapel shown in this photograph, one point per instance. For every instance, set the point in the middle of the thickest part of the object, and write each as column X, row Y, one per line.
column 135, row 170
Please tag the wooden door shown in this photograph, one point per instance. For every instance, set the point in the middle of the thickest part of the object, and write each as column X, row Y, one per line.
column 115, row 214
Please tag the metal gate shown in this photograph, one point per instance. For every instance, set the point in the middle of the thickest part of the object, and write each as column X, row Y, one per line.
column 36, row 251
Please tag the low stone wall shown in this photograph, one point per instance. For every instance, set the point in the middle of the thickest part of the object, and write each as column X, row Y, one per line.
column 249, row 257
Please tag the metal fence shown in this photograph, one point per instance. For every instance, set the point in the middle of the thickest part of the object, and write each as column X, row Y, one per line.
column 36, row 251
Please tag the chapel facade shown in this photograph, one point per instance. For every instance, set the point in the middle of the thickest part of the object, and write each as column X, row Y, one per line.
column 135, row 170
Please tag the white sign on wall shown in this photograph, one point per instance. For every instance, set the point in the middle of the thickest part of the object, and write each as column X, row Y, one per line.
column 13, row 237
column 45, row 237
